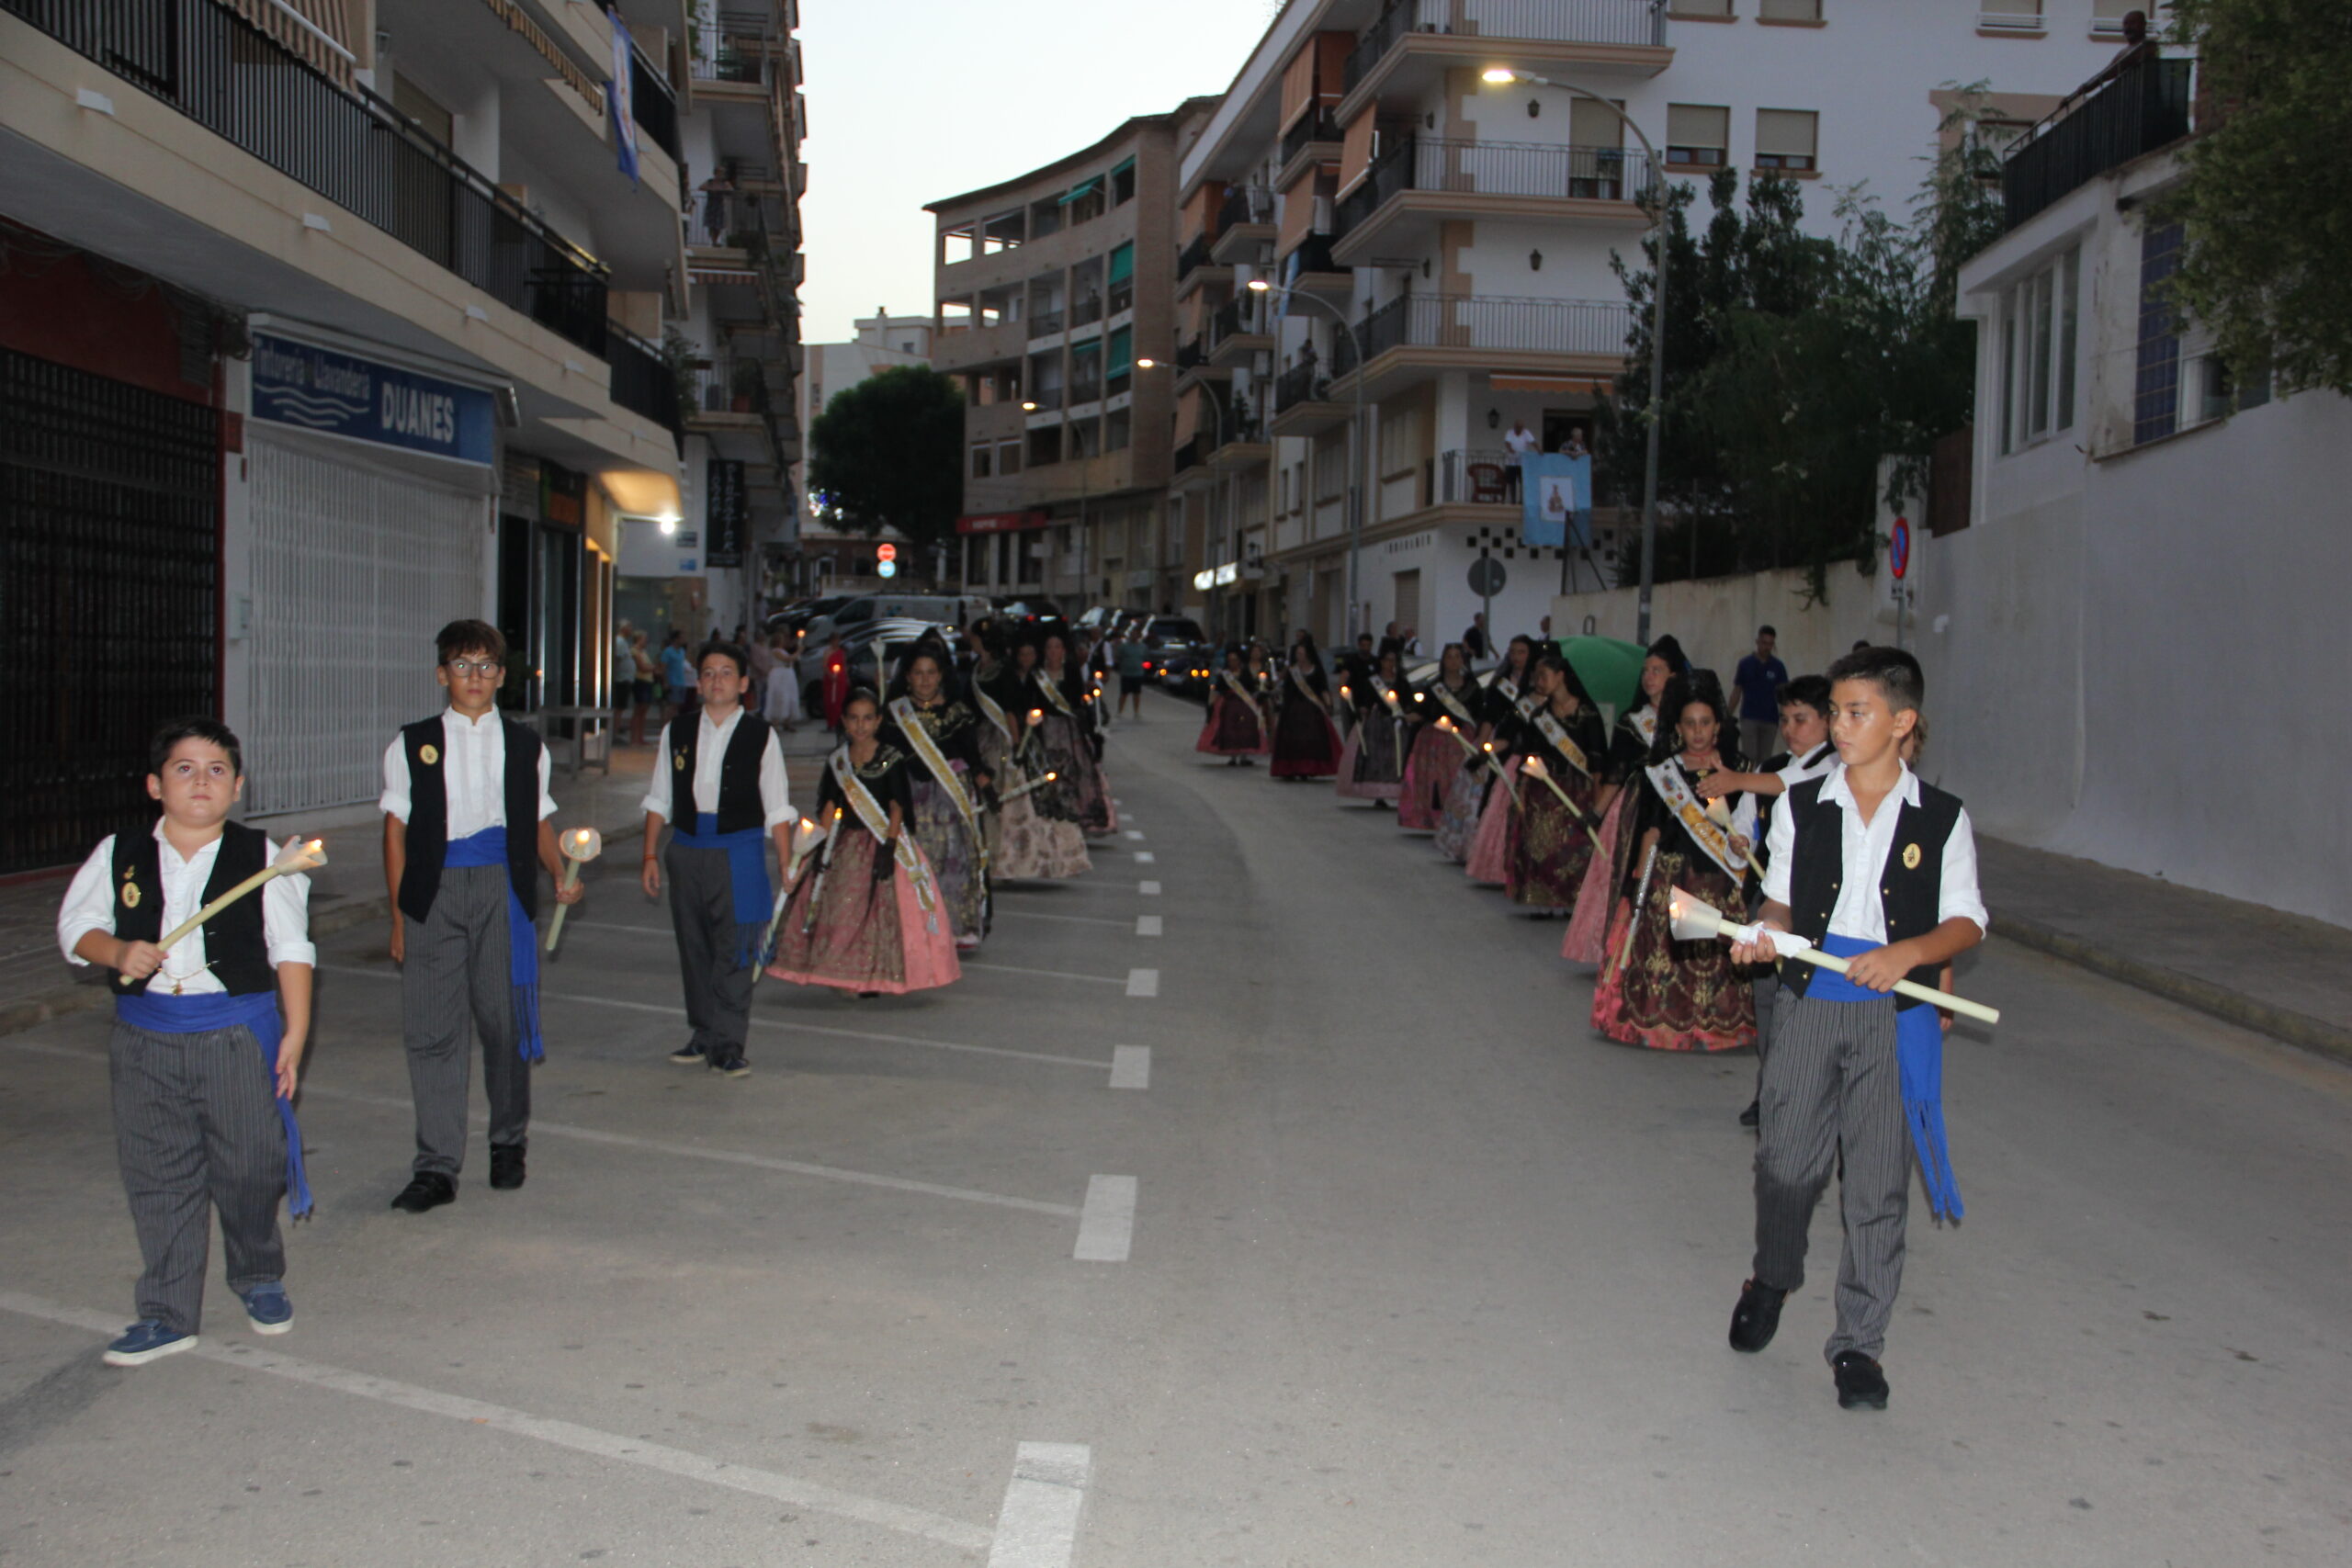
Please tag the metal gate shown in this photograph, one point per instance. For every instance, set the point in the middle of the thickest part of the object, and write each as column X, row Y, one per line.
column 109, row 597
column 354, row 570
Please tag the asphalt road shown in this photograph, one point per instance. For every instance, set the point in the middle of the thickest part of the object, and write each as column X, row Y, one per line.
column 1265, row 1200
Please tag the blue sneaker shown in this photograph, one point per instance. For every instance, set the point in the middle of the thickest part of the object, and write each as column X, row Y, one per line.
column 268, row 1308
column 143, row 1342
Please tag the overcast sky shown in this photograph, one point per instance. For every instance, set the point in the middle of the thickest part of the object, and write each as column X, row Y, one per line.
column 914, row 100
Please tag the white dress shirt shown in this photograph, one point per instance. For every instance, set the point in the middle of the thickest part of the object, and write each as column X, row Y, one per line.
column 711, row 741
column 473, row 774
column 1811, row 765
column 1859, row 912
column 89, row 907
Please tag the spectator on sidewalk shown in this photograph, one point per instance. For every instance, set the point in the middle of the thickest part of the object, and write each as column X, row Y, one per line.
column 1475, row 638
column 677, row 674
column 1756, row 693
column 642, row 672
column 623, row 677
column 782, row 706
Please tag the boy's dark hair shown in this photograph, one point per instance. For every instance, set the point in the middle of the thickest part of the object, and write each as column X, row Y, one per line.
column 1812, row 691
column 727, row 649
column 195, row 728
column 1892, row 670
column 460, row 637
column 1766, row 631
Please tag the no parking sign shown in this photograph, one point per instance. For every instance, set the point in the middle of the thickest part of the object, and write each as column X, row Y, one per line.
column 1898, row 548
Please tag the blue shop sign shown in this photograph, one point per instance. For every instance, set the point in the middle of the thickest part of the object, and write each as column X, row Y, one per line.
column 315, row 388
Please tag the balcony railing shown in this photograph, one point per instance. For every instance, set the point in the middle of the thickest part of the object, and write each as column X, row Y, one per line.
column 1477, row 475
column 1314, row 255
column 1495, row 168
column 1635, row 22
column 1246, row 204
column 1188, row 456
column 1046, row 397
column 653, row 104
column 1086, row 311
column 2143, row 106
column 1315, row 126
column 643, row 383
column 1190, row 354
column 1046, row 324
column 1304, row 383
column 1477, row 321
column 1193, row 255
column 1235, row 318
column 352, row 148
column 730, row 47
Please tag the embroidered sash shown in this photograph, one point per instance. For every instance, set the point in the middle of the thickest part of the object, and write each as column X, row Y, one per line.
column 1558, row 740
column 877, row 821
column 1232, row 683
column 1710, row 836
column 1052, row 693
column 991, row 710
column 1644, row 723
column 1309, row 691
column 910, row 724
column 1454, row 706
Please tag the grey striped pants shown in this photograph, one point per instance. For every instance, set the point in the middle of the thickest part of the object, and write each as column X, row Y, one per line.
column 456, row 970
column 1831, row 1086
column 196, row 1133
column 702, row 909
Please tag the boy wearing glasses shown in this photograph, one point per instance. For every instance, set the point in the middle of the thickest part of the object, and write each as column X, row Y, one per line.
column 466, row 807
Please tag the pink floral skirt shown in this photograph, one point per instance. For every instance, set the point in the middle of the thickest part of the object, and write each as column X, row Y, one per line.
column 862, row 935
column 1490, row 848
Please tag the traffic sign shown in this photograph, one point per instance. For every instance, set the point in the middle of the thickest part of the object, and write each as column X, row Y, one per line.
column 1487, row 577
column 887, row 567
column 1898, row 548
column 886, row 552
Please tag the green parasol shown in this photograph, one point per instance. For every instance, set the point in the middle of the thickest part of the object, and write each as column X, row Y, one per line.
column 1611, row 670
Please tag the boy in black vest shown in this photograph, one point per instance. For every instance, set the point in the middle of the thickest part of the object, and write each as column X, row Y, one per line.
column 730, row 766
column 1869, row 864
column 202, row 1063
column 466, row 808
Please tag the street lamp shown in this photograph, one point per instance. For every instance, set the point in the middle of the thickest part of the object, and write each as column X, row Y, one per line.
column 1503, row 75
column 1364, row 436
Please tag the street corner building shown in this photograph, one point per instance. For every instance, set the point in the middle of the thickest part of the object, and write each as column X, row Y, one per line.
column 323, row 323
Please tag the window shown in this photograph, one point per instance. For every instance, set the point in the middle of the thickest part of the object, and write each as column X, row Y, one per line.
column 1123, row 182
column 1788, row 11
column 975, row 559
column 2107, row 16
column 2039, row 322
column 1044, row 218
column 1330, row 471
column 1118, row 430
column 1785, row 139
column 2012, row 16
column 1119, row 362
column 1045, row 446
column 1699, row 9
column 983, row 463
column 1083, row 201
column 1122, row 277
column 1086, row 371
column 2155, row 382
column 1697, row 135
column 1008, row 458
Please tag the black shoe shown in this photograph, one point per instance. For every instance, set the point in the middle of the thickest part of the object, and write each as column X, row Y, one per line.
column 733, row 1066
column 1753, row 1115
column 506, row 1168
column 688, row 1055
column 1860, row 1384
column 1757, row 1317
column 425, row 1189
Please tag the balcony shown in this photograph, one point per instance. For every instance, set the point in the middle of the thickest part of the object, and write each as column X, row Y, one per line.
column 1245, row 224
column 1303, row 404
column 1415, row 333
column 1424, row 181
column 1477, row 477
column 1408, row 51
column 1316, row 129
column 643, row 383
column 1186, row 457
column 1238, row 332
column 2141, row 107
column 350, row 147
column 1193, row 256
column 1046, row 324
column 968, row 348
column 730, row 47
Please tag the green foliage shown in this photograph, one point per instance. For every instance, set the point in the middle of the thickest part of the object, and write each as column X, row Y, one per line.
column 889, row 452
column 2267, row 219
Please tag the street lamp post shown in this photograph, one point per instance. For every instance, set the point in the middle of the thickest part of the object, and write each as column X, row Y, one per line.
column 1503, row 76
column 1363, row 439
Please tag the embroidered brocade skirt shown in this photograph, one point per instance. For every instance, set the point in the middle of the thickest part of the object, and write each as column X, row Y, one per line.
column 947, row 844
column 862, row 935
column 1548, row 850
column 1305, row 746
column 1669, row 995
column 1428, row 767
column 1084, row 792
column 1370, row 768
column 1457, row 820
column 1489, row 862
column 1588, row 925
column 1233, row 729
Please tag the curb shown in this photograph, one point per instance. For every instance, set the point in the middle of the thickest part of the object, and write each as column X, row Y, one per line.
column 2220, row 1001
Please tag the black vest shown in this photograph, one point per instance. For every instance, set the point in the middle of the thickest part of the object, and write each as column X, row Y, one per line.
column 428, row 815
column 1909, row 894
column 740, row 807
column 235, row 951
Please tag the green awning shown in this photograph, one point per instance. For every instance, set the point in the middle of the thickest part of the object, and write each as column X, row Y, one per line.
column 1082, row 188
column 1122, row 167
column 1122, row 262
column 1091, row 346
column 1121, row 356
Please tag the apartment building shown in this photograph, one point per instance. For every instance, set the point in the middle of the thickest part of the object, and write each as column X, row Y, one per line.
column 1434, row 253
column 1053, row 289
column 322, row 323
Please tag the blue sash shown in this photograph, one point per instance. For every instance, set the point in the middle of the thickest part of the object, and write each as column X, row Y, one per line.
column 1919, row 1057
column 747, row 871
column 489, row 848
column 217, row 1010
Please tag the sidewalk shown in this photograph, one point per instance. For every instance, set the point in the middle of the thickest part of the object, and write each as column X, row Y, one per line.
column 2281, row 975
column 36, row 983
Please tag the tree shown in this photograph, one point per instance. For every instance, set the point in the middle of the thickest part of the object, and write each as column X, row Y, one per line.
column 889, row 453
column 2267, row 223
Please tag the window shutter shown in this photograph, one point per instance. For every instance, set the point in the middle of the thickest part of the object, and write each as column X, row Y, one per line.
column 1298, row 85
column 1698, row 125
column 1355, row 151
column 1787, row 133
column 1122, row 262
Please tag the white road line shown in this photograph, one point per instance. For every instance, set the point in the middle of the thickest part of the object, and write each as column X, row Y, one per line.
column 1037, row 1525
column 1148, row 889
column 1148, row 925
column 1044, row 973
column 1106, row 1225
column 790, row 1490
column 1145, row 857
column 1130, row 1066
column 616, row 926
column 1143, row 982
column 793, row 1025
column 1132, row 834
column 1065, row 919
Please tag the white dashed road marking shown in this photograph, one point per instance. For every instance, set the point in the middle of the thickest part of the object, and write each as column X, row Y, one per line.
column 1037, row 1525
column 1143, row 982
column 1130, row 1066
column 1145, row 857
column 1147, row 889
column 1106, row 1225
column 1148, row 925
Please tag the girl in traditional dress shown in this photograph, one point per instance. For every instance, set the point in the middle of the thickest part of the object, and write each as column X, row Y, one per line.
column 1305, row 746
column 1550, row 841
column 1507, row 700
column 1433, row 762
column 1371, row 766
column 1629, row 751
column 1656, row 991
column 1038, row 836
column 1236, row 729
column 942, row 736
column 1069, row 736
column 864, row 916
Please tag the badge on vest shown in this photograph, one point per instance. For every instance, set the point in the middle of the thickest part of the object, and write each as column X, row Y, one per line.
column 131, row 895
column 1910, row 857
column 429, row 754
column 678, row 761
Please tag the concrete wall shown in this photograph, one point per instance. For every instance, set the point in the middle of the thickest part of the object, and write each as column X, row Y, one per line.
column 1715, row 618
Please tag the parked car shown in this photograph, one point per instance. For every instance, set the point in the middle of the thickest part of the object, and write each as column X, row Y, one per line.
column 857, row 612
column 896, row 635
column 1186, row 662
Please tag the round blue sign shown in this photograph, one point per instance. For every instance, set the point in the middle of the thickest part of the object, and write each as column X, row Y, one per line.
column 1898, row 548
